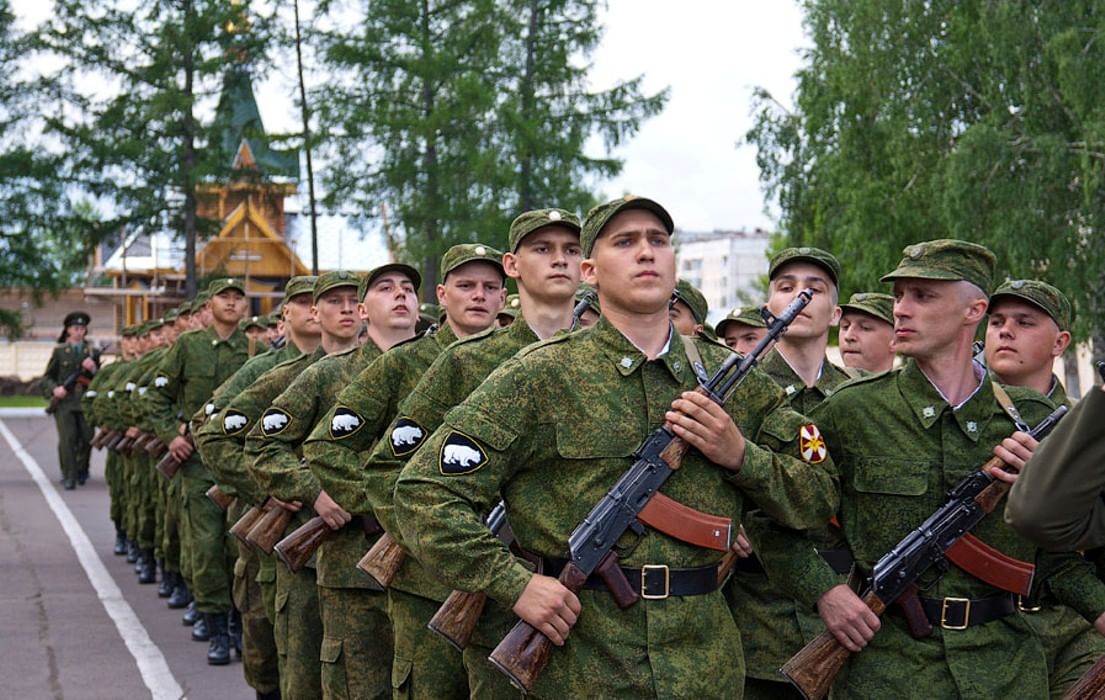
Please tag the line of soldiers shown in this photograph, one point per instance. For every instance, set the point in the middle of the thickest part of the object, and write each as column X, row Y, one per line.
column 408, row 445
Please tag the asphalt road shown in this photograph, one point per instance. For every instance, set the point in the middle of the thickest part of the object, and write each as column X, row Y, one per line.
column 74, row 622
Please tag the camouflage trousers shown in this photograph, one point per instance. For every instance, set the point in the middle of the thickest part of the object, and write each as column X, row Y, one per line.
column 356, row 644
column 298, row 632
column 126, row 484
column 259, row 659
column 1072, row 645
column 74, row 436
column 209, row 557
column 113, row 476
column 484, row 680
column 266, row 579
column 425, row 665
column 145, row 492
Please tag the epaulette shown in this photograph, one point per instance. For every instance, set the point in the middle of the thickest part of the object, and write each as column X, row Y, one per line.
column 475, row 337
column 560, row 338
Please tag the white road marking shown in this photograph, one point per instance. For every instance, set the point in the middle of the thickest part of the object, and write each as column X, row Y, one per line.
column 151, row 662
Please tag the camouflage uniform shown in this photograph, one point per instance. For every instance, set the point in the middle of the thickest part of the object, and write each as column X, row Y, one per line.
column 552, row 430
column 94, row 407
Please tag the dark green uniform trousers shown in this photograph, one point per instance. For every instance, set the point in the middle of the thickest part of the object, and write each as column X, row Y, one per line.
column 356, row 644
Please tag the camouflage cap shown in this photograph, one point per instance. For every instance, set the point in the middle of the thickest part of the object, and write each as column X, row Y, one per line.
column 154, row 324
column 430, row 313
column 601, row 215
column 530, row 221
column 142, row 329
column 876, row 304
column 128, row 331
column 1053, row 302
column 743, row 316
column 200, row 299
column 946, row 259
column 592, row 298
column 224, row 283
column 184, row 309
column 252, row 322
column 470, row 252
column 823, row 259
column 403, row 268
column 334, row 279
column 695, row 301
column 170, row 316
column 301, row 284
column 271, row 320
column 513, row 306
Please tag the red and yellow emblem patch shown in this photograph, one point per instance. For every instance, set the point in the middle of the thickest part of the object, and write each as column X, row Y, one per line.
column 811, row 444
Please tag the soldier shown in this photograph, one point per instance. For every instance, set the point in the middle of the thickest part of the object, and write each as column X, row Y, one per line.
column 743, row 329
column 591, row 312
column 70, row 357
column 555, row 427
column 544, row 260
column 902, row 439
column 772, row 628
column 688, row 309
column 867, row 332
column 190, row 371
column 509, row 311
column 471, row 293
column 1029, row 328
column 256, row 329
column 356, row 637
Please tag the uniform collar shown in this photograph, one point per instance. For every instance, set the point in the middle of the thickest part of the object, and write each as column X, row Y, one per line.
column 520, row 330
column 444, row 335
column 928, row 405
column 828, row 378
column 1057, row 394
column 627, row 357
column 234, row 340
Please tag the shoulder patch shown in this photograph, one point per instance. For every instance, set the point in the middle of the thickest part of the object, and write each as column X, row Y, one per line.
column 345, row 422
column 460, row 455
column 161, row 381
column 811, row 444
column 274, row 421
column 406, row 437
column 234, row 422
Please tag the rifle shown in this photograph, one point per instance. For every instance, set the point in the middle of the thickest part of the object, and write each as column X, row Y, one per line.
column 79, row 376
column 458, row 616
column 814, row 667
column 245, row 523
column 585, row 301
column 170, row 465
column 523, row 654
column 156, row 448
column 103, row 434
column 1091, row 686
column 113, row 444
column 269, row 528
column 222, row 500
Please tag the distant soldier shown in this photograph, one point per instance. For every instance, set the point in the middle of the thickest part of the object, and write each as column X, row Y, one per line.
column 71, row 357
column 866, row 332
column 688, row 309
column 742, row 329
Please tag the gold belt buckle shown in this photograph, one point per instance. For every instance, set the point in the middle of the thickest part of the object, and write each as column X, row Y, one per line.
column 966, row 613
column 1027, row 608
column 644, row 581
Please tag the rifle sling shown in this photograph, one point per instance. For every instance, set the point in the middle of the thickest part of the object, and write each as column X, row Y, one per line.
column 991, row 566
column 687, row 524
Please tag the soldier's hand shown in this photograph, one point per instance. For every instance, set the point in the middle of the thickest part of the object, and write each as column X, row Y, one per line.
column 88, row 365
column 1099, row 624
column 59, row 392
column 132, row 432
column 181, row 449
column 1015, row 451
column 331, row 513
column 847, row 617
column 706, row 426
column 741, row 546
column 548, row 606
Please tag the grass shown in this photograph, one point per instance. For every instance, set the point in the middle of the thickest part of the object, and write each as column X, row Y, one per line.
column 22, row 402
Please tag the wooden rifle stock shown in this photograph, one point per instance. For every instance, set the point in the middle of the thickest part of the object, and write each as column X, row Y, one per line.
column 457, row 617
column 245, row 523
column 299, row 546
column 269, row 529
column 170, row 465
column 98, row 440
column 220, row 499
column 117, row 441
column 1091, row 686
column 383, row 560
column 155, row 448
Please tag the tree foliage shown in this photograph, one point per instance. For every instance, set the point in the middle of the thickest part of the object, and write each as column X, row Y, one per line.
column 975, row 120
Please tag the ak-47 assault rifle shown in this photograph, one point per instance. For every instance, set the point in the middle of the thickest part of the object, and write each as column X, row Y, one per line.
column 170, row 465
column 300, row 545
column 523, row 654
column 269, row 528
column 79, row 376
column 105, row 436
column 223, row 500
column 813, row 669
column 382, row 561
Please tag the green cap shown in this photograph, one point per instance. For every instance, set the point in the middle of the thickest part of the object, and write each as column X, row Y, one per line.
column 946, row 259
column 513, row 306
column 823, row 259
column 470, row 252
column 301, row 284
column 430, row 313
column 154, row 323
column 403, row 268
column 185, row 308
column 143, row 329
column 334, row 279
column 592, row 300
column 744, row 316
column 686, row 293
column 271, row 320
column 128, row 331
column 530, row 221
column 170, row 316
column 252, row 322
column 599, row 216
column 201, row 299
column 876, row 304
column 1053, row 302
column 224, row 283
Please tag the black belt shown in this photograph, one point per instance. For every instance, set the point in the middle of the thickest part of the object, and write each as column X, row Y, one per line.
column 651, row 581
column 839, row 559
column 368, row 523
column 961, row 613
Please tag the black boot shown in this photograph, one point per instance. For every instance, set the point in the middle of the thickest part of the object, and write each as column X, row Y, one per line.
column 218, row 652
column 148, row 572
column 201, row 632
column 235, row 628
column 271, row 695
column 190, row 615
column 120, row 547
column 82, row 477
column 70, row 484
column 140, row 563
column 180, row 597
column 168, row 581
column 132, row 551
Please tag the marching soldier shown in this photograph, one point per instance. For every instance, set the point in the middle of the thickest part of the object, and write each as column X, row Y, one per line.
column 70, row 357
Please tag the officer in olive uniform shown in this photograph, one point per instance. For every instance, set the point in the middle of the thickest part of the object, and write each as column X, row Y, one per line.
column 866, row 332
column 556, row 426
column 70, row 358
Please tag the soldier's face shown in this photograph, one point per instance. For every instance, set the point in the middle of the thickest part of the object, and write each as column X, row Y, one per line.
column 865, row 342
column 933, row 316
column 336, row 311
column 76, row 333
column 472, row 296
column 682, row 319
column 632, row 264
column 546, row 263
column 298, row 316
column 742, row 338
column 228, row 306
column 391, row 302
column 820, row 314
column 1021, row 339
